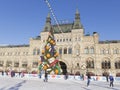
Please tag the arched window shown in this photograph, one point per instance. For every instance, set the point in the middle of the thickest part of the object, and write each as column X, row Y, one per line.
column 76, row 39
column 92, row 50
column 16, row 63
column 92, row 64
column 77, row 64
column 102, row 51
column 109, row 65
column 35, row 64
column 34, row 52
column 8, row 63
column 89, row 64
column 77, row 51
column 38, row 51
column 67, row 39
column 107, row 51
column 106, row 64
column 63, row 40
column 24, row 64
column 116, row 51
column 117, row 65
column 86, row 50
column 70, row 51
column 103, row 65
column 60, row 40
column 65, row 50
column 1, row 63
column 60, row 51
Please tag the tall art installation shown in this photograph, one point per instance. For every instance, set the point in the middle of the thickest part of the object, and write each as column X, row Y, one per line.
column 48, row 60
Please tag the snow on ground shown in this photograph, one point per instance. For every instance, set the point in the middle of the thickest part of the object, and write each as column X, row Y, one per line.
column 16, row 83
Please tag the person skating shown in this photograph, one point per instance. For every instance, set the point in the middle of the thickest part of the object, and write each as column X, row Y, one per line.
column 88, row 79
column 111, row 80
column 46, row 77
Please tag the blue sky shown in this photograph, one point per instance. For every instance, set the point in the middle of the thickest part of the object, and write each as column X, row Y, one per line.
column 21, row 20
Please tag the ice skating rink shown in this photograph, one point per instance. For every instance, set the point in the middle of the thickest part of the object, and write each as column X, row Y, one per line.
column 8, row 83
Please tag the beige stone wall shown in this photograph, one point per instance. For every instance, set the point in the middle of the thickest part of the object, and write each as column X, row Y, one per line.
column 78, row 44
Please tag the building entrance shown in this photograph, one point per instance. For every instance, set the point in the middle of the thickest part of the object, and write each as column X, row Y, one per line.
column 63, row 67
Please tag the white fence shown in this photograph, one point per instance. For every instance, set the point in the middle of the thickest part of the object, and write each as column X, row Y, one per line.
column 93, row 78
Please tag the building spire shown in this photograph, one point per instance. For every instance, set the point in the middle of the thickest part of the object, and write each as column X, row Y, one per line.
column 47, row 27
column 77, row 23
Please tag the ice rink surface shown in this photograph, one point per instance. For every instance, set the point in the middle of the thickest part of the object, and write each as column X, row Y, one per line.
column 8, row 83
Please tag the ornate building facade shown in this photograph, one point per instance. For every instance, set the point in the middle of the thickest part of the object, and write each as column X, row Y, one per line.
column 78, row 53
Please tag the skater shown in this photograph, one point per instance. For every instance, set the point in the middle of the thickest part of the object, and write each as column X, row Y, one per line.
column 46, row 77
column 107, row 77
column 111, row 80
column 82, row 77
column 88, row 79
column 2, row 73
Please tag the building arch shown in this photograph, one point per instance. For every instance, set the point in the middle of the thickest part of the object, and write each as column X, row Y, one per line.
column 118, row 74
column 63, row 67
column 106, row 59
column 91, row 73
column 105, row 73
column 118, row 58
column 105, row 65
column 77, row 73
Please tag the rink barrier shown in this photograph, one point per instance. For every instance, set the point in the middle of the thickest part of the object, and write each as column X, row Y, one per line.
column 70, row 77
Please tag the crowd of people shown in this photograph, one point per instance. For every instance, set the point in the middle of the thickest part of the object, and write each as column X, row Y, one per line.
column 12, row 73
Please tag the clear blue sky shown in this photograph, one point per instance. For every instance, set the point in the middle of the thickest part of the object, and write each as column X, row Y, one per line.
column 22, row 19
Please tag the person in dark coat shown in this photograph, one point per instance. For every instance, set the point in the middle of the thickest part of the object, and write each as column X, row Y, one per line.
column 107, row 77
column 2, row 73
column 46, row 77
column 88, row 79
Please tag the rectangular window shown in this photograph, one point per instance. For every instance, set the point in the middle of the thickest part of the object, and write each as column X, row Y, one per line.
column 9, row 63
column 16, row 64
column 60, row 51
column 24, row 65
column 35, row 64
column 1, row 63
column 63, row 40
column 86, row 51
column 70, row 51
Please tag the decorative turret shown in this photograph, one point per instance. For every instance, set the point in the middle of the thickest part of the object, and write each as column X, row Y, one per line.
column 47, row 27
column 77, row 23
